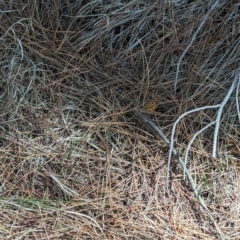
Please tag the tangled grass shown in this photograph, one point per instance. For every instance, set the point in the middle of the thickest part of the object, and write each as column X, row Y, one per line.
column 77, row 162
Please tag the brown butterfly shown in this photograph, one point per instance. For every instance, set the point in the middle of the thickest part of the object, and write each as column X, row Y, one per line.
column 150, row 106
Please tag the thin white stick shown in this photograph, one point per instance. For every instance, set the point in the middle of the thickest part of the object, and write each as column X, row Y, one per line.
column 190, row 44
column 192, row 183
column 219, row 114
column 174, row 129
column 190, row 144
column 237, row 99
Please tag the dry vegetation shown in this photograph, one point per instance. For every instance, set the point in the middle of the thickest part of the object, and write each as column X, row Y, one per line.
column 76, row 161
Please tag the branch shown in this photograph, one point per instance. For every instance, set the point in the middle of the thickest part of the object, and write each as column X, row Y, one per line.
column 174, row 151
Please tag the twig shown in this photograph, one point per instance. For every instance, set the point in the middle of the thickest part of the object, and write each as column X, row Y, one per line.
column 174, row 151
column 64, row 188
column 219, row 114
column 191, row 42
column 174, row 129
column 191, row 142
column 237, row 99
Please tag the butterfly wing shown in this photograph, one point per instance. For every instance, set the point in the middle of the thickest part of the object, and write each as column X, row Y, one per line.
column 150, row 106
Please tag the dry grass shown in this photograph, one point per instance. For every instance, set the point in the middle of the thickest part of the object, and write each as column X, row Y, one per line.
column 76, row 161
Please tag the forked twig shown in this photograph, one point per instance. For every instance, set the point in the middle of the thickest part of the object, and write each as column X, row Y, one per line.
column 174, row 151
column 235, row 82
